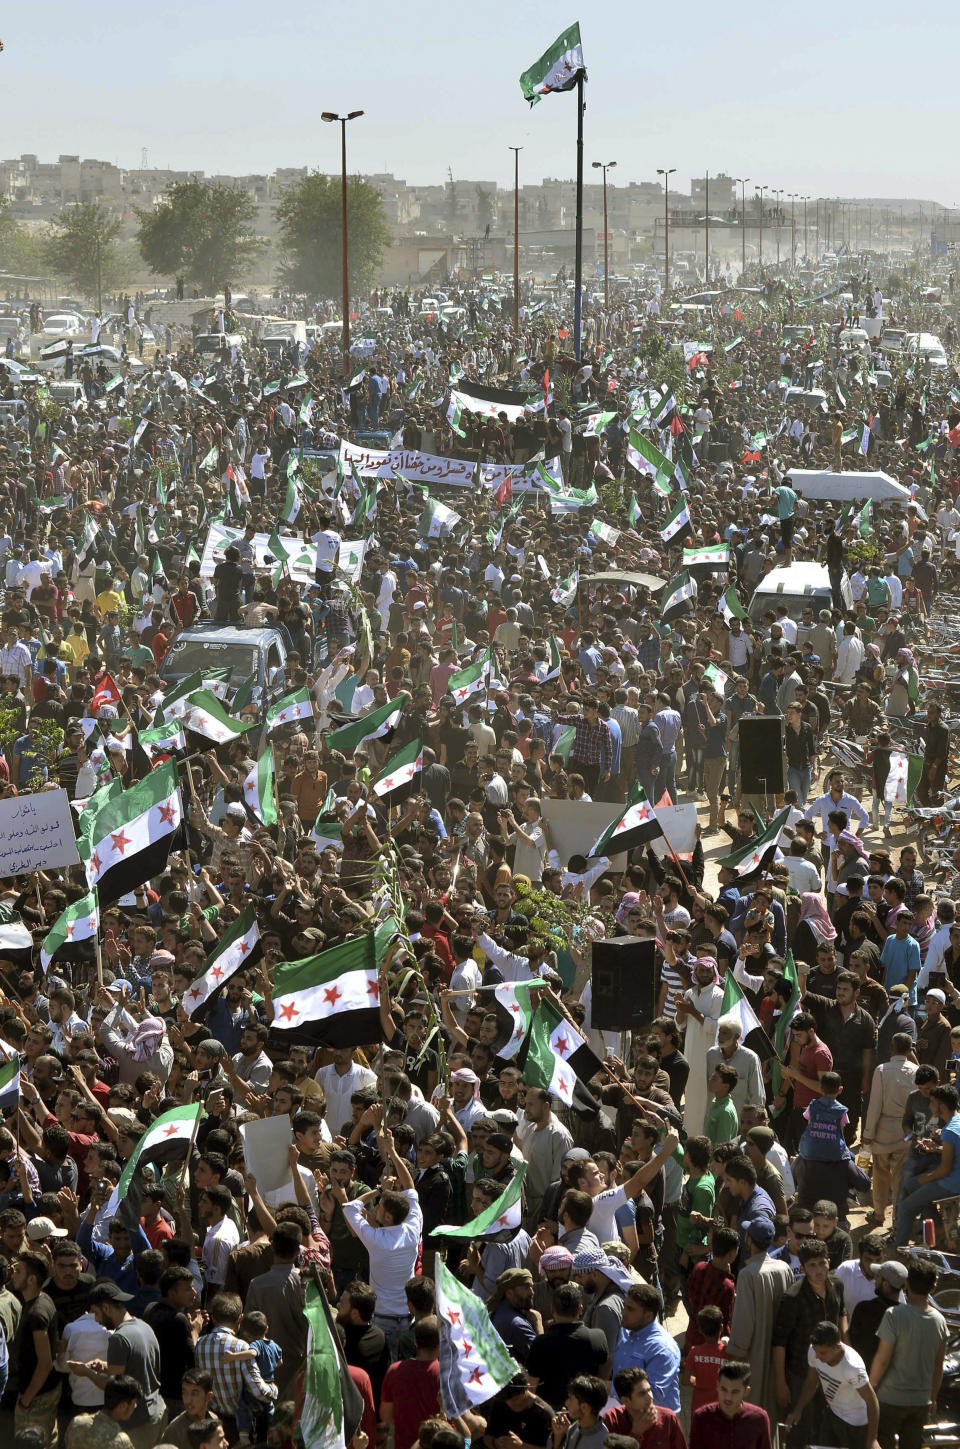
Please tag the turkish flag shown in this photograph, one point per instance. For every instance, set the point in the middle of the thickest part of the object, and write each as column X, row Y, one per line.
column 676, row 426
column 546, row 388
column 737, row 314
column 504, row 493
column 953, row 437
column 107, row 693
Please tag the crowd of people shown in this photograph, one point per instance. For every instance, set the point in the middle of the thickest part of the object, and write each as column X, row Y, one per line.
column 688, row 1262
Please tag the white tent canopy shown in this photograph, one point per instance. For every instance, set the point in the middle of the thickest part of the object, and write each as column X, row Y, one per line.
column 847, row 487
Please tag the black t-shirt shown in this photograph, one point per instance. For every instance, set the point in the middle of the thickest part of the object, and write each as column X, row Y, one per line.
column 40, row 1316
column 227, row 577
column 562, row 1352
column 531, row 1424
column 70, row 1303
column 172, row 1330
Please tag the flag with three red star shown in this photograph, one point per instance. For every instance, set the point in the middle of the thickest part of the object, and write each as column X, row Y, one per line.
column 502, row 1216
column 557, row 1054
column 165, row 1140
column 333, row 999
column 239, row 947
column 475, row 1363
column 79, row 922
column 130, row 838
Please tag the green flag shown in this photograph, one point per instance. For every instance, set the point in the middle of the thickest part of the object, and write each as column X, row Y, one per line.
column 558, row 69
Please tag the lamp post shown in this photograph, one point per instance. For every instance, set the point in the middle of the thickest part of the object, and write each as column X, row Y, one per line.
column 778, row 193
column 741, row 181
column 345, row 269
column 793, row 229
column 666, row 173
column 516, row 238
column 605, row 166
column 760, row 190
column 706, row 224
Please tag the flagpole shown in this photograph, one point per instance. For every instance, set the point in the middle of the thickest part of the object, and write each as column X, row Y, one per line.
column 192, row 1144
column 578, row 263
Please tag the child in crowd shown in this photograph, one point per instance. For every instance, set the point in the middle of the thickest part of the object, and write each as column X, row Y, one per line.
column 254, row 1330
column 722, row 1124
column 703, row 1360
column 879, row 760
column 826, row 1227
column 822, row 1139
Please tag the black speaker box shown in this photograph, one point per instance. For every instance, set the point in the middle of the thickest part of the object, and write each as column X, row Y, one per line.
column 763, row 761
column 624, row 982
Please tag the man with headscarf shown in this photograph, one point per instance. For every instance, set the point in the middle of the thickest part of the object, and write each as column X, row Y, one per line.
column 136, row 1047
column 699, row 1008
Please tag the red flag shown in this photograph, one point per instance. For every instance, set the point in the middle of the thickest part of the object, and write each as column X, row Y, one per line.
column 107, row 693
column 504, row 493
column 750, row 457
column 664, row 803
column 676, row 426
column 738, row 315
column 546, row 388
column 953, row 437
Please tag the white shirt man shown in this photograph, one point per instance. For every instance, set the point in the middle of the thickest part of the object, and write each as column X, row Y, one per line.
column 339, row 1087
column 393, row 1254
column 220, row 1240
column 258, row 464
column 328, row 546
column 896, row 589
column 466, row 977
column 850, row 652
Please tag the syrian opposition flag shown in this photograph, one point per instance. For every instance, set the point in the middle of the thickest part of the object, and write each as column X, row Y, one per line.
column 210, row 679
column 472, row 680
column 165, row 1140
column 475, row 1363
column 636, row 825
column 10, row 1090
column 375, row 725
column 107, row 692
column 716, row 679
column 16, row 942
column 394, row 780
column 558, row 69
column 781, row 1032
column 500, row 1217
column 737, row 1008
column 566, row 590
column 132, row 834
column 730, row 606
column 713, row 556
column 79, row 922
column 514, row 1012
column 258, row 789
column 437, row 519
column 554, row 660
column 906, row 772
column 333, row 999
column 203, row 714
column 557, row 1054
column 162, row 740
column 754, row 857
column 865, row 519
column 681, row 595
column 678, row 525
column 634, row 516
column 603, row 533
column 295, row 706
column 291, row 503
column 642, row 455
column 666, row 407
column 332, row 1403
column 88, row 542
column 327, row 830
column 239, row 947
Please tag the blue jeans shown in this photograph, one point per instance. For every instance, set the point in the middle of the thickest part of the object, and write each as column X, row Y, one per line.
column 799, row 780
column 912, row 1199
column 392, row 1329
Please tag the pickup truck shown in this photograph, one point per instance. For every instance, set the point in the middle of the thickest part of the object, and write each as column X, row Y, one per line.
column 258, row 652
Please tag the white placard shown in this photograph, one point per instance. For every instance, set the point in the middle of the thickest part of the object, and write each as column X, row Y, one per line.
column 574, row 825
column 36, row 832
column 451, row 472
column 680, row 828
column 266, row 1151
column 220, row 535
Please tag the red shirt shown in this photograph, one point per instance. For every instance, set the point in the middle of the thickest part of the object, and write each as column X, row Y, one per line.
column 157, row 1233
column 495, row 618
column 159, row 644
column 813, row 1061
column 708, row 1284
column 441, row 944
column 711, row 1429
column 184, row 608
column 665, row 1434
column 413, row 1388
column 703, row 1361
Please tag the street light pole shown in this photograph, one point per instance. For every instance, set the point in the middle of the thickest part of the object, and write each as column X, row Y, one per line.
column 793, row 229
column 741, row 181
column 666, row 173
column 706, row 222
column 778, row 193
column 605, row 166
column 516, row 239
column 344, row 264
column 760, row 190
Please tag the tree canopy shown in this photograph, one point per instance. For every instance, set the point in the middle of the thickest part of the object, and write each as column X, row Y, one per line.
column 83, row 249
column 309, row 216
column 201, row 229
column 21, row 253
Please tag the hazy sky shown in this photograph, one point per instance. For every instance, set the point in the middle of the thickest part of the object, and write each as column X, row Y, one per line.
column 827, row 99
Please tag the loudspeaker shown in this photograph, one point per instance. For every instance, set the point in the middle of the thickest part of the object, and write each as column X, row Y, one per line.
column 763, row 760
column 624, row 983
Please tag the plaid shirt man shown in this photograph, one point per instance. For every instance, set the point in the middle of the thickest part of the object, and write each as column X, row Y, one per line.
column 229, row 1376
column 593, row 745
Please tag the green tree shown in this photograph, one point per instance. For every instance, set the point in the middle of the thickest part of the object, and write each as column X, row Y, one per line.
column 20, row 252
column 309, row 218
column 202, row 229
column 84, row 248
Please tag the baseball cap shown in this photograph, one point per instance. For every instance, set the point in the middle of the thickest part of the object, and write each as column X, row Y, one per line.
column 761, row 1230
column 500, row 1140
column 107, row 1292
column 576, row 1154
column 763, row 1137
column 39, row 1228
column 891, row 1272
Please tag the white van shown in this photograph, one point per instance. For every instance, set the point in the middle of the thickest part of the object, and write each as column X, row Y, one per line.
column 800, row 586
column 928, row 348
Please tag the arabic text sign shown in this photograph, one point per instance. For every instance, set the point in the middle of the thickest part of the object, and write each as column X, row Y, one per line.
column 36, row 832
column 427, row 468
